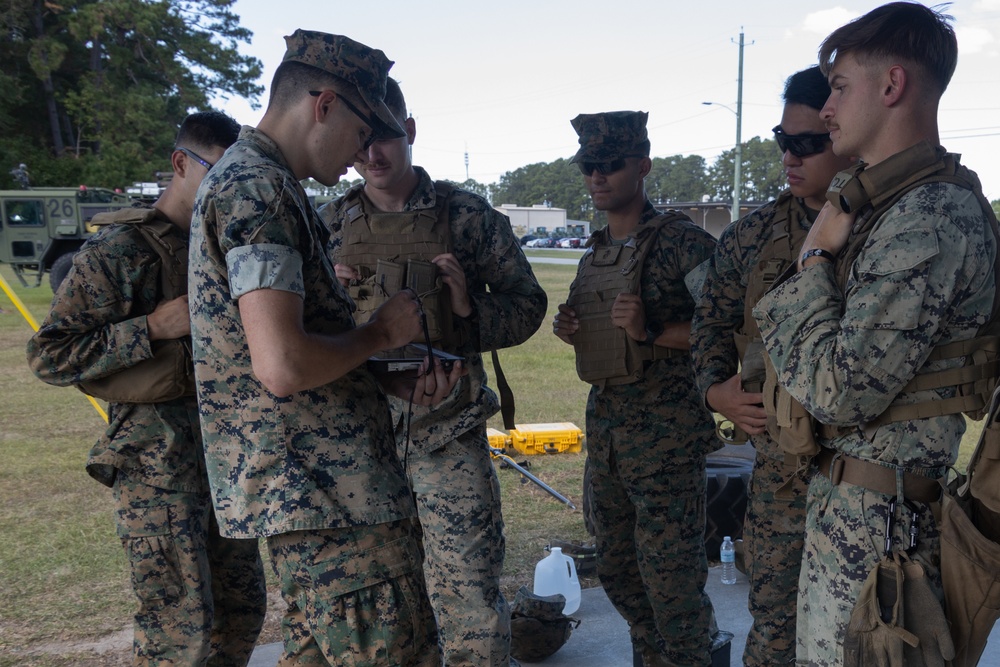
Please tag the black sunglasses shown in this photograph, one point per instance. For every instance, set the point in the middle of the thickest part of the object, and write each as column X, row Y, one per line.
column 800, row 145
column 357, row 112
column 197, row 158
column 602, row 168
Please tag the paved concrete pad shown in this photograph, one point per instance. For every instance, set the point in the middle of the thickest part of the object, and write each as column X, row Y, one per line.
column 602, row 639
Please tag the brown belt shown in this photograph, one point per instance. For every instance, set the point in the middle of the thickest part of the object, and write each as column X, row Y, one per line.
column 875, row 477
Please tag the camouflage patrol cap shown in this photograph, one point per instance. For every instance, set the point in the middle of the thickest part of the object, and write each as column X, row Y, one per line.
column 359, row 65
column 611, row 135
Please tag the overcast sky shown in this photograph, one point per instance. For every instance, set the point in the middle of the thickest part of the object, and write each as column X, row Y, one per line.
column 500, row 81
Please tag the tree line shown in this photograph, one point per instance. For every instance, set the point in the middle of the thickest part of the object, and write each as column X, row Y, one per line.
column 674, row 179
column 94, row 90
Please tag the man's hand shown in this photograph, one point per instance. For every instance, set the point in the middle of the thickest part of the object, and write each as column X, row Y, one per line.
column 345, row 274
column 169, row 320
column 454, row 277
column 397, row 321
column 829, row 232
column 425, row 388
column 742, row 408
column 565, row 323
column 628, row 313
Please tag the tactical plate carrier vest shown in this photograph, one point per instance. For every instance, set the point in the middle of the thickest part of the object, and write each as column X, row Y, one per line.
column 170, row 373
column 392, row 251
column 781, row 252
column 605, row 354
column 872, row 192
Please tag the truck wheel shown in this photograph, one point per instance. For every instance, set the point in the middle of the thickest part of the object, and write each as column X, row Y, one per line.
column 59, row 270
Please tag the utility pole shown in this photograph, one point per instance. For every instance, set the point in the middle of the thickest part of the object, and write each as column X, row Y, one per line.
column 738, row 158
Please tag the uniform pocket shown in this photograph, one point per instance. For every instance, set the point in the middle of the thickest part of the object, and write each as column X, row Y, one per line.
column 151, row 552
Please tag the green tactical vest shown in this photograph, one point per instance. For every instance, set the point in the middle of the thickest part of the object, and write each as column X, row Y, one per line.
column 169, row 374
column 605, row 354
column 392, row 251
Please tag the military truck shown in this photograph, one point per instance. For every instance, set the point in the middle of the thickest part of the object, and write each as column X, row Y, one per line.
column 42, row 228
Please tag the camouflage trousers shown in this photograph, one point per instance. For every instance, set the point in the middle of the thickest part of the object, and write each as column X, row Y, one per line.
column 202, row 597
column 355, row 596
column 844, row 540
column 458, row 503
column 649, row 512
column 773, row 532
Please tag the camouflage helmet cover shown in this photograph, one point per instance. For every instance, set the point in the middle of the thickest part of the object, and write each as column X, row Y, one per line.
column 538, row 628
column 363, row 67
column 611, row 135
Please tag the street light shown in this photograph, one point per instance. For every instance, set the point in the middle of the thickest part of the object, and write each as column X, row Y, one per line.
column 737, row 159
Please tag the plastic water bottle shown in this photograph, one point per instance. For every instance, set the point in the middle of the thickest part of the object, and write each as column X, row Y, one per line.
column 728, row 557
column 556, row 573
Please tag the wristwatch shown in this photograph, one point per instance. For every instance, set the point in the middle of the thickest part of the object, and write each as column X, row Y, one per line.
column 652, row 333
column 818, row 252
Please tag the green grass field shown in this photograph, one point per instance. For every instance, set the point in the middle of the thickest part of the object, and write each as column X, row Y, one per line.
column 64, row 589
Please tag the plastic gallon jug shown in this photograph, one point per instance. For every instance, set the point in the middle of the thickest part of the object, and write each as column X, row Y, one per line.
column 556, row 573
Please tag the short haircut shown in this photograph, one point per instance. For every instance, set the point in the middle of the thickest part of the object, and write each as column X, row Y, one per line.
column 905, row 31
column 808, row 87
column 293, row 79
column 394, row 99
column 207, row 129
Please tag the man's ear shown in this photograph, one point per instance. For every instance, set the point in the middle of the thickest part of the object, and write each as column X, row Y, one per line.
column 645, row 166
column 179, row 163
column 322, row 104
column 894, row 84
column 410, row 125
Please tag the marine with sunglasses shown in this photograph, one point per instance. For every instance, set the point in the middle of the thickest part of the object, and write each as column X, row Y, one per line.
column 119, row 329
column 628, row 317
column 884, row 332
column 298, row 439
column 751, row 254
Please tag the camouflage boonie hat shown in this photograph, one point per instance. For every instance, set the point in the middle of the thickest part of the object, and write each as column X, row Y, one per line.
column 611, row 135
column 364, row 67
column 538, row 628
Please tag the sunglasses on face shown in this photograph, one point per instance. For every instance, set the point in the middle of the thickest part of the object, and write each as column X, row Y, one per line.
column 357, row 112
column 197, row 158
column 800, row 145
column 602, row 168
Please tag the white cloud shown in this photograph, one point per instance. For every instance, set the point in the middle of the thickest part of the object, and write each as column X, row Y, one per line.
column 973, row 40
column 827, row 20
column 987, row 6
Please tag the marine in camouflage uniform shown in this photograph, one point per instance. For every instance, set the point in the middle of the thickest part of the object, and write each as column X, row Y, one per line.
column 201, row 596
column 847, row 336
column 444, row 448
column 298, row 437
column 647, row 438
column 751, row 253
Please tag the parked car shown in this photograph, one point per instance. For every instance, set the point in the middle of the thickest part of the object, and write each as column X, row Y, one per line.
column 542, row 243
column 566, row 242
column 527, row 238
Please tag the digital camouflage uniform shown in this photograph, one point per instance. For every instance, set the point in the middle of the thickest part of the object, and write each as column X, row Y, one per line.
column 923, row 278
column 447, row 457
column 201, row 596
column 774, row 526
column 316, row 473
column 646, row 445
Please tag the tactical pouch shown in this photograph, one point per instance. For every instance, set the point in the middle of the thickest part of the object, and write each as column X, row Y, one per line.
column 374, row 290
column 167, row 376
column 969, row 522
column 422, row 278
column 795, row 426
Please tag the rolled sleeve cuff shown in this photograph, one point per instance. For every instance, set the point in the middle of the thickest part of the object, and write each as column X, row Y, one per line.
column 264, row 266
